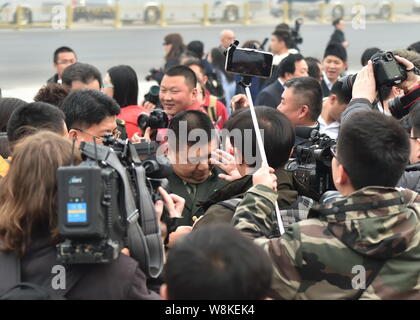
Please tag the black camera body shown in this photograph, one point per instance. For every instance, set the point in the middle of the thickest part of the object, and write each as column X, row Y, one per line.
column 107, row 203
column 312, row 165
column 388, row 72
column 157, row 119
column 153, row 96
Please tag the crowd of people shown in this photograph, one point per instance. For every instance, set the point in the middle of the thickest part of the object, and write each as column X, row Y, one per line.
column 227, row 200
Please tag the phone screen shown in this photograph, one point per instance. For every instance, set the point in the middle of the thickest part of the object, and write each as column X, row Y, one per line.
column 249, row 62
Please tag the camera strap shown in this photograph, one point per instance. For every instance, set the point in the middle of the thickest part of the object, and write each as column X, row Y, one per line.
column 410, row 97
column 143, row 241
column 150, row 252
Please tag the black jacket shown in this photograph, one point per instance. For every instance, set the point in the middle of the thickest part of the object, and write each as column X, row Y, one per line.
column 411, row 178
column 120, row 280
column 270, row 96
column 337, row 37
column 53, row 79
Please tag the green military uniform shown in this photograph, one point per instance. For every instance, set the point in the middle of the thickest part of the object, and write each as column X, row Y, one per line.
column 194, row 194
column 374, row 229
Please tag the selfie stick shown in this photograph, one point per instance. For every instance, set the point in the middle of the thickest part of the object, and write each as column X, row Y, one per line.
column 261, row 145
column 246, row 83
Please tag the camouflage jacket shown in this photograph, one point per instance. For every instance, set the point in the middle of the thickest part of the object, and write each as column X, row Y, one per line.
column 369, row 239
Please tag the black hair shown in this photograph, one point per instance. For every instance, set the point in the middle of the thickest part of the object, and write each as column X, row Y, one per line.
column 62, row 50
column 183, row 71
column 414, row 47
column 195, row 62
column 52, row 93
column 337, row 50
column 84, row 108
column 367, row 54
column 313, row 68
column 309, row 92
column 373, row 149
column 218, row 62
column 217, row 263
column 196, row 48
column 83, row 72
column 193, row 119
column 126, row 85
column 7, row 106
column 283, row 35
column 287, row 65
column 337, row 21
column 278, row 135
column 30, row 117
column 414, row 117
column 343, row 96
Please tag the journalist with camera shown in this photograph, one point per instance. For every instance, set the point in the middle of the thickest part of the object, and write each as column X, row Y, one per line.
column 30, row 230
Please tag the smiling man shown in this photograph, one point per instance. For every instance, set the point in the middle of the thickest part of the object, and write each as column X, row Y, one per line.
column 334, row 64
column 178, row 90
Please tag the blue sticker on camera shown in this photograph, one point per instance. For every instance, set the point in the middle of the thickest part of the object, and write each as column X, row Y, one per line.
column 77, row 212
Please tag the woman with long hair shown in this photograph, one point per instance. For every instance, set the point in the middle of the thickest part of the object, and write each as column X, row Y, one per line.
column 29, row 223
column 121, row 83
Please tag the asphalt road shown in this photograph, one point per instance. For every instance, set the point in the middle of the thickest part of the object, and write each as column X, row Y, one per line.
column 26, row 56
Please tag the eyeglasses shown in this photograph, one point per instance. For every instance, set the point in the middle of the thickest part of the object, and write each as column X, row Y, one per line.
column 108, row 85
column 414, row 138
column 116, row 134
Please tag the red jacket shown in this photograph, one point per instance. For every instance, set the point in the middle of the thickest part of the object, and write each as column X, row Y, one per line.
column 130, row 114
column 221, row 112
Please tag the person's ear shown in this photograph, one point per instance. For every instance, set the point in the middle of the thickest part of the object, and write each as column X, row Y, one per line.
column 304, row 112
column 164, row 291
column 194, row 93
column 418, row 149
column 346, row 66
column 205, row 79
column 73, row 134
column 341, row 178
column 332, row 98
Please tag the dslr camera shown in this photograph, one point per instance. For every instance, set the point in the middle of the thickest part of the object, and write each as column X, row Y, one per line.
column 107, row 203
column 388, row 72
column 157, row 119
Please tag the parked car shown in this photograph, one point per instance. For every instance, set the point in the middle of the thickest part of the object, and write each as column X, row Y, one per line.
column 335, row 8
column 32, row 10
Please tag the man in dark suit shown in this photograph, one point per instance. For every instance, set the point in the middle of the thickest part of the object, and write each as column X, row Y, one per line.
column 292, row 66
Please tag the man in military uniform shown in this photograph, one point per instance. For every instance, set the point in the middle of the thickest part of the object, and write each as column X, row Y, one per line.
column 364, row 246
column 191, row 138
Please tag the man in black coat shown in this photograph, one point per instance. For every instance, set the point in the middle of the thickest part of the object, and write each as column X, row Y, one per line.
column 292, row 66
column 334, row 64
column 338, row 35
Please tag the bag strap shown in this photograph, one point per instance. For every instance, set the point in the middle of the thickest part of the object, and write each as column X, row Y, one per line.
column 212, row 109
column 231, row 204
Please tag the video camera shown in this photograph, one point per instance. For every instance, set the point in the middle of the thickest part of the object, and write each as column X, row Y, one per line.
column 295, row 34
column 312, row 165
column 107, row 203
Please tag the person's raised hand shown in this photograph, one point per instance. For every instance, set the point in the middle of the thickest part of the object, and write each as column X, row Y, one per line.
column 412, row 78
column 226, row 162
column 174, row 203
column 365, row 84
column 265, row 176
column 240, row 101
